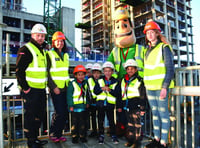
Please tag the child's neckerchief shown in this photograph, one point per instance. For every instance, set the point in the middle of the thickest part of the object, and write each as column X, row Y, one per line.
column 80, row 83
column 107, row 82
column 127, row 81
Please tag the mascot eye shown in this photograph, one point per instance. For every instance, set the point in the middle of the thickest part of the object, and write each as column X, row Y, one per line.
column 117, row 27
column 125, row 25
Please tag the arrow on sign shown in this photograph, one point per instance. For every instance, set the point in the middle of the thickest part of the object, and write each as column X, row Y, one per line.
column 7, row 89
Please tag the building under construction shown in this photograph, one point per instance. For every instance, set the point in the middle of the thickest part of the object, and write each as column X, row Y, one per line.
column 18, row 24
column 173, row 16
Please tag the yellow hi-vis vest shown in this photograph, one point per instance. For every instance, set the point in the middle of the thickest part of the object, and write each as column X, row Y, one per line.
column 79, row 98
column 59, row 69
column 36, row 73
column 154, row 69
column 132, row 89
column 91, row 86
column 106, row 95
column 139, row 58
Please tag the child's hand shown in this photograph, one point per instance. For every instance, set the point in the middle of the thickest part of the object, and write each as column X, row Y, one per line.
column 142, row 113
column 71, row 109
column 107, row 89
column 119, row 110
column 56, row 91
column 103, row 88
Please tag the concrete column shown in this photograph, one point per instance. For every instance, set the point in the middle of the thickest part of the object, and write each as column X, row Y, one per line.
column 177, row 34
column 165, row 20
column 186, row 31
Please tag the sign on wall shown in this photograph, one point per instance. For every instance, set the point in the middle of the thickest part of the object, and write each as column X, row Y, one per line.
column 10, row 87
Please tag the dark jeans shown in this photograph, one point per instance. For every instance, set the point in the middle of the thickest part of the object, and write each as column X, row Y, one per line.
column 35, row 109
column 60, row 115
column 92, row 110
column 78, row 124
column 101, row 116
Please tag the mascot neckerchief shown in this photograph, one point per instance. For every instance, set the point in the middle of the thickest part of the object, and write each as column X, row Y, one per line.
column 125, row 47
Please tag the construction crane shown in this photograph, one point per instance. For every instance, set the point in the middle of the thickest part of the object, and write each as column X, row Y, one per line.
column 52, row 21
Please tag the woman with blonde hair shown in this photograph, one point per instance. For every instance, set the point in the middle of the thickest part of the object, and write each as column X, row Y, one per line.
column 158, row 79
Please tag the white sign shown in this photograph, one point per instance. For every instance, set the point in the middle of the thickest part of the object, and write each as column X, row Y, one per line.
column 10, row 87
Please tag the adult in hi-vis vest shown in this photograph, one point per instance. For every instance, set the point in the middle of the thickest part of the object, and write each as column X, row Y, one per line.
column 158, row 79
column 125, row 47
column 58, row 78
column 31, row 74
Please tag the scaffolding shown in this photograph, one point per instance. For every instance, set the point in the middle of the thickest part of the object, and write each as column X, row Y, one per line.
column 52, row 17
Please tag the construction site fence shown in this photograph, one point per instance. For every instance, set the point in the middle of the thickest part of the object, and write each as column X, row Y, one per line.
column 184, row 106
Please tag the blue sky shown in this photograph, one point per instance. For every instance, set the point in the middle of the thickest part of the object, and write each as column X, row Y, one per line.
column 33, row 7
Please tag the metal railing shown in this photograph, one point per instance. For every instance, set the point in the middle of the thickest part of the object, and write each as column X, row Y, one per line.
column 184, row 109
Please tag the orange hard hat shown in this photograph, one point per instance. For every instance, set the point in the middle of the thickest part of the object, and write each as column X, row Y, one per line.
column 79, row 68
column 150, row 26
column 58, row 35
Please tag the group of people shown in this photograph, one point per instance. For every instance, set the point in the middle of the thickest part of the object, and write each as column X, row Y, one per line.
column 131, row 75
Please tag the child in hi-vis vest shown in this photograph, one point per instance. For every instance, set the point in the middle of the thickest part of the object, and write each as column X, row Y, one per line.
column 133, row 101
column 96, row 73
column 107, row 90
column 77, row 104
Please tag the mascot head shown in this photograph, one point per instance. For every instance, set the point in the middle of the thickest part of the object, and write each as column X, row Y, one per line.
column 123, row 29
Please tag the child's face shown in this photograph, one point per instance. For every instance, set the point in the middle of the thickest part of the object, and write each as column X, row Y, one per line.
column 89, row 73
column 96, row 74
column 108, row 72
column 80, row 76
column 131, row 70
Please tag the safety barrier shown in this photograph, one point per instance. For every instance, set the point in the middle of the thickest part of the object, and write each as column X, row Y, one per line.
column 185, row 108
column 184, row 113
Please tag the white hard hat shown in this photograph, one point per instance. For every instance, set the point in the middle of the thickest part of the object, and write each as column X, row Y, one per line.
column 89, row 66
column 96, row 66
column 39, row 28
column 108, row 64
column 130, row 62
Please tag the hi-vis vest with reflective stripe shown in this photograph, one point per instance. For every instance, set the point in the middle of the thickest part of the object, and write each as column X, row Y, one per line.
column 79, row 98
column 139, row 55
column 154, row 69
column 92, row 85
column 106, row 95
column 59, row 69
column 36, row 73
column 132, row 89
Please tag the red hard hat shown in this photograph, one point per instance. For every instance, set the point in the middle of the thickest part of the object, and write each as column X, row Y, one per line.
column 151, row 26
column 79, row 68
column 58, row 35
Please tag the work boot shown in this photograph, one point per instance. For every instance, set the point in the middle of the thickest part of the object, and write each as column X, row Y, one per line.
column 101, row 139
column 33, row 144
column 153, row 144
column 83, row 139
column 41, row 142
column 162, row 146
column 136, row 144
column 115, row 140
column 128, row 144
column 74, row 140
